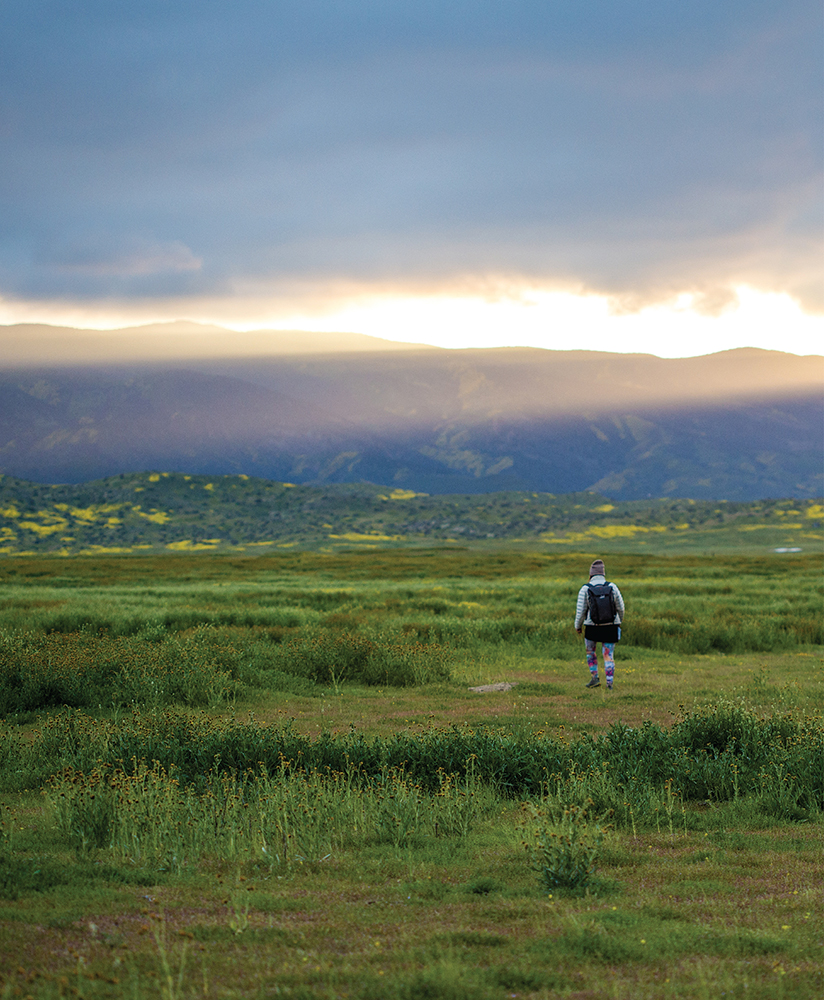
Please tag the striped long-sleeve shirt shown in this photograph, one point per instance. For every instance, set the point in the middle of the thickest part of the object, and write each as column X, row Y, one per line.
column 582, row 616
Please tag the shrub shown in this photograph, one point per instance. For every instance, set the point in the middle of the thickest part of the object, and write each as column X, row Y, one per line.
column 564, row 848
column 85, row 670
column 329, row 656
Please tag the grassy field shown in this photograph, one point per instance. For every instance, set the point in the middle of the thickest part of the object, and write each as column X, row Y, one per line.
column 234, row 777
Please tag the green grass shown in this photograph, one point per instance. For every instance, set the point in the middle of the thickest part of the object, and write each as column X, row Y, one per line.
column 154, row 632
column 258, row 815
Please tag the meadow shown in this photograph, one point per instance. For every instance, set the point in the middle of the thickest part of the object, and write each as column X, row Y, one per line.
column 225, row 776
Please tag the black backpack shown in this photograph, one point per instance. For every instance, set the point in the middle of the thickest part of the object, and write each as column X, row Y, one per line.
column 601, row 603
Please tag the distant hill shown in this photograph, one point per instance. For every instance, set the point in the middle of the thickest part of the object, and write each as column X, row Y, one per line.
column 740, row 425
column 182, row 513
column 25, row 344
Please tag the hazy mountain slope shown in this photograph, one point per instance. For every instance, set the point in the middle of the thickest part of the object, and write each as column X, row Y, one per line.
column 425, row 387
column 740, row 425
column 71, row 426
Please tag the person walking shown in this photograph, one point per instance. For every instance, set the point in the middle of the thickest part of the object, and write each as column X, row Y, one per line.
column 600, row 610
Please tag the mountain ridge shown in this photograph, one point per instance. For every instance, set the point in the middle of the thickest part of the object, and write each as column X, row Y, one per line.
column 739, row 426
column 27, row 344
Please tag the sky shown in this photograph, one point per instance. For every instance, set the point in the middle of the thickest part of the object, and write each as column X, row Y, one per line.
column 626, row 175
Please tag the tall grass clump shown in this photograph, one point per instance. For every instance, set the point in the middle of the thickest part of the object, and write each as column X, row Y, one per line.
column 723, row 631
column 87, row 670
column 564, row 844
column 727, row 753
column 331, row 656
column 147, row 816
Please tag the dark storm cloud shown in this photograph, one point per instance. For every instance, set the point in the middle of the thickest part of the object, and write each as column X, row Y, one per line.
column 196, row 148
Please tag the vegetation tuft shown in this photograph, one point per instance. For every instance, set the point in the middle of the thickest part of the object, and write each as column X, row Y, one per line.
column 565, row 848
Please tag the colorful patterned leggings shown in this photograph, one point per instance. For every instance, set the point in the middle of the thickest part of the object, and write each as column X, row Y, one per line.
column 607, row 649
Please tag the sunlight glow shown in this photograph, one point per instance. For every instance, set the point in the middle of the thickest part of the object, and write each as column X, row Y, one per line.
column 567, row 321
column 515, row 317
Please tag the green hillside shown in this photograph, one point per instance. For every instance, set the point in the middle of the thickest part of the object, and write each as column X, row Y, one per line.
column 172, row 512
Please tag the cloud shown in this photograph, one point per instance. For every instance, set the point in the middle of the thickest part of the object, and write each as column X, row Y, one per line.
column 638, row 150
column 137, row 256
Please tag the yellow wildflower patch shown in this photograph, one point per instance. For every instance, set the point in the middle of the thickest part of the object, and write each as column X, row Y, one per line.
column 353, row 536
column 623, row 530
column 815, row 510
column 155, row 516
column 44, row 529
column 209, row 486
column 605, row 508
column 103, row 550
column 402, row 495
column 10, row 511
column 87, row 514
column 187, row 545
column 154, row 478
column 605, row 532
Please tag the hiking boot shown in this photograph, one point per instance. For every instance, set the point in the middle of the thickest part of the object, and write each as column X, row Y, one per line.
column 609, row 688
column 593, row 683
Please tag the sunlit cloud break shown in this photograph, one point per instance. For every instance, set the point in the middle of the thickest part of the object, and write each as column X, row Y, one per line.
column 457, row 319
column 568, row 321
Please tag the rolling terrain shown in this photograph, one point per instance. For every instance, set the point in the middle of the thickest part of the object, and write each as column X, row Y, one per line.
column 740, row 425
column 143, row 512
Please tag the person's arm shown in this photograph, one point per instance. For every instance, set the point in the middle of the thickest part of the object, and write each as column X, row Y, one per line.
column 580, row 609
column 619, row 603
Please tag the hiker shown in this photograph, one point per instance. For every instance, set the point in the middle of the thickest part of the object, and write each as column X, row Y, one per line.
column 600, row 610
